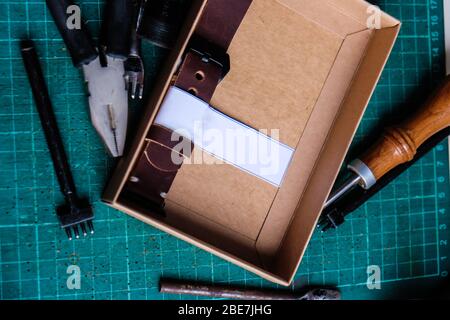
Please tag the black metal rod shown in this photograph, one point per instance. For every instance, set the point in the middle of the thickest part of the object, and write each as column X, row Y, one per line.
column 48, row 120
column 225, row 292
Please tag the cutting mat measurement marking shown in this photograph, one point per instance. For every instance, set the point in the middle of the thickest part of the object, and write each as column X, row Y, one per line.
column 436, row 21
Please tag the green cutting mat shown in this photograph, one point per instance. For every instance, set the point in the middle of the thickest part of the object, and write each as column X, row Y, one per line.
column 403, row 230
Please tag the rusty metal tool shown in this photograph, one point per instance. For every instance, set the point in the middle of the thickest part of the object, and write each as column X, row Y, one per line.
column 76, row 213
column 229, row 292
column 398, row 145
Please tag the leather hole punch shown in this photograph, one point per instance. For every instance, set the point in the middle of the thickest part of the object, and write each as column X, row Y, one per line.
column 210, row 53
column 204, row 66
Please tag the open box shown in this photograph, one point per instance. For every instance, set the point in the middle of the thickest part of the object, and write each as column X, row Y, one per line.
column 307, row 68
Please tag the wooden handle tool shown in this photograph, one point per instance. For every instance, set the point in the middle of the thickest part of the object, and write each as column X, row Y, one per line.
column 399, row 144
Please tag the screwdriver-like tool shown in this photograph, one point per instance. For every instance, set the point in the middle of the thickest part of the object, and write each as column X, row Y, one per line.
column 334, row 215
column 236, row 293
column 76, row 213
column 399, row 144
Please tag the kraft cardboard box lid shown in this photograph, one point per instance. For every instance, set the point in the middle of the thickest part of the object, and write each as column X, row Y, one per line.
column 307, row 68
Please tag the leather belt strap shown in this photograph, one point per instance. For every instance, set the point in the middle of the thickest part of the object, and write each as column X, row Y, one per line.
column 155, row 171
column 221, row 20
column 205, row 65
column 206, row 61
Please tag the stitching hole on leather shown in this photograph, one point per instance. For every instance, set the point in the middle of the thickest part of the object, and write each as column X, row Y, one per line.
column 200, row 75
column 134, row 179
column 193, row 91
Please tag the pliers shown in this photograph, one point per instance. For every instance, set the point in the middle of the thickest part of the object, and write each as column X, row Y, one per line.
column 102, row 65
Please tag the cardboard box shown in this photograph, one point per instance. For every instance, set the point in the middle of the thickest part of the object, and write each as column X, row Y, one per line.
column 307, row 68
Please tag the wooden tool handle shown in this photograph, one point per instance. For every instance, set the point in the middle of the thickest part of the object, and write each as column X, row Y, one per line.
column 399, row 144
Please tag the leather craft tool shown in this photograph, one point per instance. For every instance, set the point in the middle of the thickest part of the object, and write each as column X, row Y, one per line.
column 103, row 67
column 134, row 66
column 334, row 215
column 398, row 146
column 76, row 213
column 229, row 292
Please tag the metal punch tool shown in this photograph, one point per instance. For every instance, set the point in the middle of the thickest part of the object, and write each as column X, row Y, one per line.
column 76, row 213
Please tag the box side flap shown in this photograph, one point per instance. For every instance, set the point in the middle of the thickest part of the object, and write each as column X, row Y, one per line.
column 327, row 106
column 361, row 11
column 334, row 151
column 342, row 17
column 325, row 15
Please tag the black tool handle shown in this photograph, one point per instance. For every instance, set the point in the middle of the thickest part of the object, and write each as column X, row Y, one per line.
column 48, row 120
column 117, row 25
column 161, row 22
column 136, row 41
column 78, row 41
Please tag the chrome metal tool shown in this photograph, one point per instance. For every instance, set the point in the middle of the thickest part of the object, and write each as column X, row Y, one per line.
column 134, row 66
column 102, row 65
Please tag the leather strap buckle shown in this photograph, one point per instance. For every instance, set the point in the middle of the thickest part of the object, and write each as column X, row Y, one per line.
column 210, row 53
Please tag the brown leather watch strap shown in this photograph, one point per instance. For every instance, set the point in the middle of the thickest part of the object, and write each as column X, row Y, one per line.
column 205, row 64
column 206, row 61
